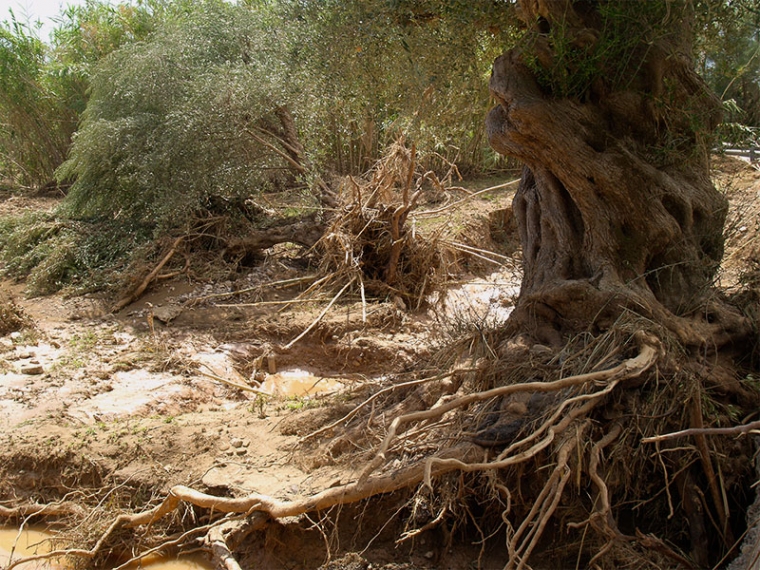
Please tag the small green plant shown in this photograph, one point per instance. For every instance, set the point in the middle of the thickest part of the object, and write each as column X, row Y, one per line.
column 752, row 381
column 259, row 406
column 84, row 341
column 294, row 403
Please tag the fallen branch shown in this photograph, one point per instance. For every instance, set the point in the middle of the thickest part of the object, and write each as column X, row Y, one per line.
column 147, row 281
column 53, row 509
column 465, row 199
column 234, row 384
column 271, row 285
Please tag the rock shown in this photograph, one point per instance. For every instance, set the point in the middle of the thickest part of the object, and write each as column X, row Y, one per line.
column 236, row 442
column 167, row 313
column 31, row 369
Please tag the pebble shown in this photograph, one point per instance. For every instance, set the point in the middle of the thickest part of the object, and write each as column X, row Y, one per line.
column 236, row 442
column 31, row 369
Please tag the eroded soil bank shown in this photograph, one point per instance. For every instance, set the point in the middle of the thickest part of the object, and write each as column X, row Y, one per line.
column 193, row 385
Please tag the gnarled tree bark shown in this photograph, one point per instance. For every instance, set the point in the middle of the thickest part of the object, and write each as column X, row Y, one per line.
column 616, row 208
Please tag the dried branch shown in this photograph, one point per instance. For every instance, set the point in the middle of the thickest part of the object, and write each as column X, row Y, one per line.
column 147, row 281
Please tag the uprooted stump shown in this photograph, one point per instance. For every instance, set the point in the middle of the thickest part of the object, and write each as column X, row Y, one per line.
column 369, row 237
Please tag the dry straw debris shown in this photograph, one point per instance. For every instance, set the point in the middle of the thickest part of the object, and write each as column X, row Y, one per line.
column 370, row 239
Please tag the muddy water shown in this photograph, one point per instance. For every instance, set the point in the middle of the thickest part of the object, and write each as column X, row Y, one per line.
column 299, row 384
column 27, row 543
column 182, row 563
column 36, row 541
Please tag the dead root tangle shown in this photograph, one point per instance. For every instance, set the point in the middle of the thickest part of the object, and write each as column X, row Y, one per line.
column 560, row 434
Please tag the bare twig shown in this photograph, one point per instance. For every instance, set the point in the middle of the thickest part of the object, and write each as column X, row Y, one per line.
column 272, row 285
column 319, row 318
column 465, row 199
column 234, row 384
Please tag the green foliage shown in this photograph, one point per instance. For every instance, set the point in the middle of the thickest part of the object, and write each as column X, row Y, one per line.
column 728, row 55
column 43, row 89
column 387, row 66
column 167, row 129
column 34, row 123
column 175, row 123
column 87, row 33
column 734, row 131
column 180, row 108
column 53, row 253
column 612, row 57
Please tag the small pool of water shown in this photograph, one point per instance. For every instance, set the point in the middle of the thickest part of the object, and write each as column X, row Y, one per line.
column 37, row 541
column 27, row 543
column 191, row 562
column 298, row 383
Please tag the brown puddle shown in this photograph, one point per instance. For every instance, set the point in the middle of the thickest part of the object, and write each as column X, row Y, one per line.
column 164, row 563
column 36, row 541
column 27, row 543
column 299, row 384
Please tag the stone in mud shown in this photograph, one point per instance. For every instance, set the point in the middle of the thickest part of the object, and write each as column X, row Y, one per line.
column 31, row 369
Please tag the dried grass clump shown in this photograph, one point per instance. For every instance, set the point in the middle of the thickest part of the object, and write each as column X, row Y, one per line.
column 370, row 240
column 12, row 316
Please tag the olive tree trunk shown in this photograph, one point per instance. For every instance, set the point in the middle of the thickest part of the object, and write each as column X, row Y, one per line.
column 615, row 209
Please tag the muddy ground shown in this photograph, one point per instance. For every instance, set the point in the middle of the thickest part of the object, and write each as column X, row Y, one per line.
column 95, row 404
column 149, row 397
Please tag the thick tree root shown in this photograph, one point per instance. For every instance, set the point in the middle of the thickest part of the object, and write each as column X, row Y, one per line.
column 62, row 509
column 465, row 456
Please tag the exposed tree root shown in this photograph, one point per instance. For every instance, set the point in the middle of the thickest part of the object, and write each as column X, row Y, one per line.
column 735, row 430
column 61, row 509
column 564, row 428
